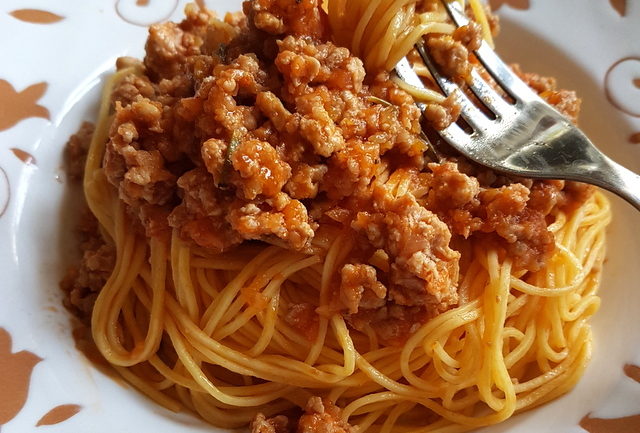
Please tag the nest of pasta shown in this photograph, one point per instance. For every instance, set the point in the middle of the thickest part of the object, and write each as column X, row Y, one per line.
column 269, row 241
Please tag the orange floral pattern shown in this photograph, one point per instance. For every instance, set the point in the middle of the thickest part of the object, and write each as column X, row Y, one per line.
column 632, row 371
column 15, row 376
column 15, row 379
column 16, row 106
column 23, row 156
column 59, row 414
column 620, row 6
column 627, row 424
column 36, row 16
column 516, row 4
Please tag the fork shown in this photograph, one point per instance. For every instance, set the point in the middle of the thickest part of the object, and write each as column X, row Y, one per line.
column 528, row 138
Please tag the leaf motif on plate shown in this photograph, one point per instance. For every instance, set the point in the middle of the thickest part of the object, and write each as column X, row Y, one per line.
column 36, row 16
column 632, row 371
column 620, row 6
column 142, row 2
column 15, row 375
column 636, row 82
column 59, row 414
column 16, row 106
column 627, row 424
column 515, row 4
column 23, row 156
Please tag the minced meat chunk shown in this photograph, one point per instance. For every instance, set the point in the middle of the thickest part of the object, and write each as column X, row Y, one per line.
column 565, row 101
column 508, row 211
column 304, row 319
column 424, row 269
column 440, row 116
column 300, row 17
column 469, row 35
column 83, row 281
column 320, row 416
column 277, row 424
column 76, row 151
column 252, row 166
column 450, row 55
column 360, row 288
column 259, row 128
column 279, row 216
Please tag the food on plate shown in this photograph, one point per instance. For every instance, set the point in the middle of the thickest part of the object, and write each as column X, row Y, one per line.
column 269, row 242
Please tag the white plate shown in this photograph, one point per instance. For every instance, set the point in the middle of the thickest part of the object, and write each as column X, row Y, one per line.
column 581, row 42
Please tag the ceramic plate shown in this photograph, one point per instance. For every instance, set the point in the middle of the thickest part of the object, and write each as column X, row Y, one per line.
column 53, row 58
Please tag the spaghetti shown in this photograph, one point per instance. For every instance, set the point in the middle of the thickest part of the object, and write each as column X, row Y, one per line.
column 210, row 331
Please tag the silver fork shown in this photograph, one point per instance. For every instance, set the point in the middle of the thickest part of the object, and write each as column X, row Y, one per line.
column 528, row 138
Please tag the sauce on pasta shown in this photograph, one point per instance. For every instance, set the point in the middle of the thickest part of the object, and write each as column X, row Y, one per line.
column 269, row 243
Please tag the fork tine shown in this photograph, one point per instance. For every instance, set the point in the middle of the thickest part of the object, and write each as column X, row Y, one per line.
column 405, row 72
column 470, row 113
column 489, row 97
column 504, row 76
column 499, row 70
column 458, row 16
column 457, row 137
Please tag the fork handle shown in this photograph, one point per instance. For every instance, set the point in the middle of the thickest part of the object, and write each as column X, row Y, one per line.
column 615, row 178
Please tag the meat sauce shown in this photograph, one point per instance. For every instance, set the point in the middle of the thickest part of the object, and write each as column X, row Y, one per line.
column 258, row 128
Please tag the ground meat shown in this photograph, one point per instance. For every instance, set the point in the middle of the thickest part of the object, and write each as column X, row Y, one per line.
column 141, row 175
column 450, row 55
column 393, row 324
column 280, row 216
column 360, row 288
column 131, row 87
column 424, row 269
column 277, row 424
column 200, row 216
column 259, row 128
column 304, row 319
column 320, row 416
column 470, row 36
column 317, row 127
column 252, row 166
column 242, row 78
column 300, row 17
column 440, row 116
column 83, row 281
column 170, row 43
column 565, row 101
column 537, row 82
column 76, row 151
column 515, row 212
column 306, row 181
column 303, row 64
